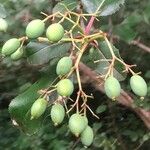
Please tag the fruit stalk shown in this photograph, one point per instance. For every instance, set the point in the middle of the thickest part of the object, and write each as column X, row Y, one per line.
column 90, row 24
column 124, row 99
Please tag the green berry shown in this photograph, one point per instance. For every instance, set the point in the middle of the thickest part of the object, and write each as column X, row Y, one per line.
column 64, row 66
column 57, row 114
column 112, row 87
column 35, row 28
column 138, row 85
column 87, row 136
column 55, row 32
column 65, row 87
column 17, row 54
column 85, row 120
column 38, row 108
column 10, row 46
column 77, row 124
column 3, row 25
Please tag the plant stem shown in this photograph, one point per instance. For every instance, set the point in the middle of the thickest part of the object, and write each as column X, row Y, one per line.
column 124, row 99
column 90, row 24
column 80, row 54
column 110, row 47
column 101, row 4
column 78, row 78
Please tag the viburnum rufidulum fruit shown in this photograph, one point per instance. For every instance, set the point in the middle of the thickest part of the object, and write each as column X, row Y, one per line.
column 65, row 87
column 55, row 32
column 87, row 136
column 77, row 124
column 64, row 66
column 57, row 114
column 112, row 87
column 85, row 120
column 10, row 46
column 3, row 25
column 138, row 86
column 35, row 28
column 38, row 108
column 17, row 54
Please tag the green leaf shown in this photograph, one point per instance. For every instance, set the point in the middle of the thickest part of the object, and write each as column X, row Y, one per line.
column 97, row 126
column 103, row 65
column 109, row 7
column 102, row 54
column 132, row 134
column 101, row 109
column 133, row 19
column 125, row 32
column 24, row 87
column 3, row 12
column 42, row 53
column 64, row 5
column 90, row 57
column 91, row 6
column 105, row 50
column 19, row 107
column 34, row 47
column 146, row 13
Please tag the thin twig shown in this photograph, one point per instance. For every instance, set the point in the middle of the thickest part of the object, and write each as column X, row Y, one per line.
column 124, row 99
column 141, row 45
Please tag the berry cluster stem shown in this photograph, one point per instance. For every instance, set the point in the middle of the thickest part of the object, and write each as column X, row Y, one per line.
column 90, row 24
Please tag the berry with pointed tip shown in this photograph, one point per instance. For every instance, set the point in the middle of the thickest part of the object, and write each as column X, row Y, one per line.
column 77, row 124
column 35, row 28
column 138, row 85
column 38, row 108
column 87, row 136
column 65, row 87
column 112, row 87
column 64, row 66
column 3, row 25
column 85, row 120
column 55, row 32
column 10, row 46
column 57, row 114
column 17, row 54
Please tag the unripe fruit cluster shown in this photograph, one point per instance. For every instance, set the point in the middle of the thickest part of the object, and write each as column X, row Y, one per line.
column 112, row 87
column 65, row 87
column 138, row 85
column 64, row 66
column 12, row 48
column 57, row 114
column 38, row 108
column 55, row 32
column 78, row 125
column 36, row 28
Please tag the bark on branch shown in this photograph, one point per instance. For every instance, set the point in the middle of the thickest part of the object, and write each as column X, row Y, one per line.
column 141, row 45
column 124, row 99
